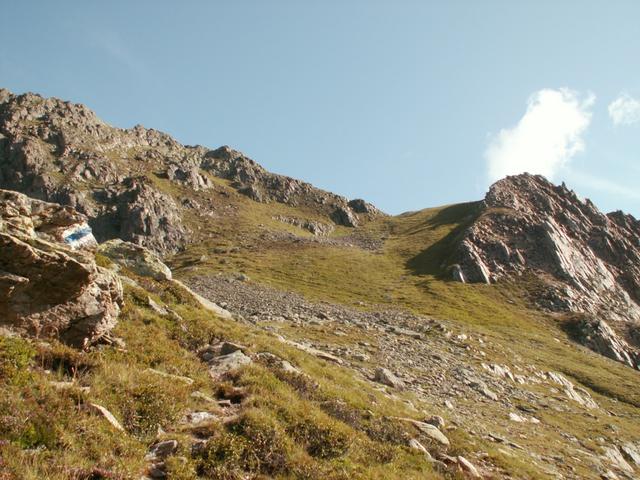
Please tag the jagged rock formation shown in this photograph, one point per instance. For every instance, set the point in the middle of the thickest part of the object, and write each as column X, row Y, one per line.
column 49, row 282
column 589, row 262
column 62, row 152
column 600, row 337
column 262, row 186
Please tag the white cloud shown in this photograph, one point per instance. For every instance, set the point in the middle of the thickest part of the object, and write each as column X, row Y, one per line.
column 545, row 139
column 624, row 110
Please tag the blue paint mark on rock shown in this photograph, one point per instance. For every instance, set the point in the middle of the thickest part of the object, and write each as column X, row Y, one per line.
column 78, row 234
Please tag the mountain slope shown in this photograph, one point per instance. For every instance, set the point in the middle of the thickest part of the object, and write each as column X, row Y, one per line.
column 588, row 263
column 366, row 309
column 130, row 182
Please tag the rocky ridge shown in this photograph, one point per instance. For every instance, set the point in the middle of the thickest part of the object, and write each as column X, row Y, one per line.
column 588, row 262
column 62, row 152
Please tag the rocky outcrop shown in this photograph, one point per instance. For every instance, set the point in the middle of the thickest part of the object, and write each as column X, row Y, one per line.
column 50, row 285
column 588, row 262
column 600, row 337
column 138, row 213
column 262, row 186
column 139, row 260
column 318, row 229
column 62, row 152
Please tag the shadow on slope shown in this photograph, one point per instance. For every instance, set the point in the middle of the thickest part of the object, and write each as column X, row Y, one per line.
column 441, row 233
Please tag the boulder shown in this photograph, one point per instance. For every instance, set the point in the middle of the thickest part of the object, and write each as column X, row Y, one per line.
column 429, row 431
column 386, row 377
column 344, row 216
column 468, row 467
column 50, row 285
column 136, row 258
column 358, row 205
column 218, row 366
column 162, row 450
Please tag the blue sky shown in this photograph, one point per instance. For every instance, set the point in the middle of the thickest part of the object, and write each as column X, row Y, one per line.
column 407, row 104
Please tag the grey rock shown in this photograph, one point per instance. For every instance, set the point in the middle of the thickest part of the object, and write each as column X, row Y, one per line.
column 218, row 366
column 344, row 216
column 631, row 453
column 468, row 467
column 437, row 421
column 600, row 337
column 458, row 274
column 386, row 377
column 576, row 394
column 107, row 415
column 193, row 419
column 416, row 445
column 229, row 347
column 136, row 258
column 613, row 456
column 50, row 285
column 433, row 433
column 159, row 309
column 316, row 228
column 162, row 450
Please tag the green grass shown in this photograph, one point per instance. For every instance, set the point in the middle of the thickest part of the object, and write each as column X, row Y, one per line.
column 331, row 426
column 288, row 426
column 412, row 272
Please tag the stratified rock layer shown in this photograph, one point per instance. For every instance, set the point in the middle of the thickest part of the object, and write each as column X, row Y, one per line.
column 589, row 261
column 50, row 285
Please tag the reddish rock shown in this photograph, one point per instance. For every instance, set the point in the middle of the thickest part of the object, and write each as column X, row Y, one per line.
column 588, row 262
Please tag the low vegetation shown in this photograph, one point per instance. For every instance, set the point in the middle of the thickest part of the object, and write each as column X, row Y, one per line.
column 324, row 425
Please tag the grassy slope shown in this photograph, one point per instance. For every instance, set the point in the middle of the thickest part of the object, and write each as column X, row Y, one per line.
column 411, row 272
column 288, row 427
column 50, row 431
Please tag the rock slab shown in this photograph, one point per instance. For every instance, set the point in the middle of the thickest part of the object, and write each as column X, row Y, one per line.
column 50, row 285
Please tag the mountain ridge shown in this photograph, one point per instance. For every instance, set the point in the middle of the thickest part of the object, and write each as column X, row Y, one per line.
column 62, row 152
column 293, row 333
column 589, row 262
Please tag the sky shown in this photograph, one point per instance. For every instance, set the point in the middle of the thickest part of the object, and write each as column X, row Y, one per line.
column 407, row 104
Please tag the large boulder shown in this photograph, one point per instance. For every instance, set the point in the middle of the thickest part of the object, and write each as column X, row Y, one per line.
column 136, row 258
column 50, row 285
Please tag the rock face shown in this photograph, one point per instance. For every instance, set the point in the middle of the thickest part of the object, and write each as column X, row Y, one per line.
column 600, row 337
column 588, row 262
column 49, row 282
column 318, row 229
column 136, row 258
column 262, row 186
column 62, row 152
